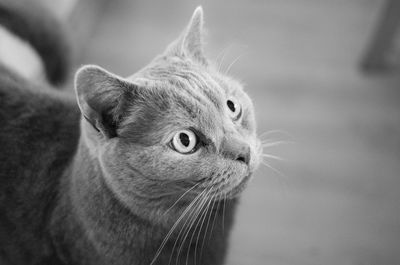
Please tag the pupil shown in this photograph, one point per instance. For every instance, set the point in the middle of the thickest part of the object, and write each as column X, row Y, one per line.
column 184, row 139
column 231, row 105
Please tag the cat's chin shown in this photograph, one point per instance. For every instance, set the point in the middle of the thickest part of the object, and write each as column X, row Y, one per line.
column 238, row 189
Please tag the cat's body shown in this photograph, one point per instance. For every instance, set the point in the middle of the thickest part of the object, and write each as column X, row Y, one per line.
column 38, row 223
column 98, row 190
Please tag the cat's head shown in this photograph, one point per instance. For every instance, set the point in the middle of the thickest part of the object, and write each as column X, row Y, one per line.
column 177, row 125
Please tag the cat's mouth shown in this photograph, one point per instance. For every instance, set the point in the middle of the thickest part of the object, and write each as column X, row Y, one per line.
column 230, row 190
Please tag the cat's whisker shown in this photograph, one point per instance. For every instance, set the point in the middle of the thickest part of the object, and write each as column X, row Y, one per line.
column 223, row 52
column 266, row 144
column 201, row 226
column 232, row 63
column 192, row 218
column 203, row 218
column 206, row 198
column 183, row 228
column 270, row 132
column 223, row 214
column 186, row 192
column 275, row 137
column 273, row 169
column 203, row 211
column 208, row 222
column 205, row 232
column 173, row 228
column 272, row 157
column 215, row 217
column 283, row 179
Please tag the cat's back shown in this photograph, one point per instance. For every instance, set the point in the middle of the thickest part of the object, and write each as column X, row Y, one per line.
column 35, row 123
column 39, row 131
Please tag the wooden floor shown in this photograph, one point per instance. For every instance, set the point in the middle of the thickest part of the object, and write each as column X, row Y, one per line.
column 337, row 198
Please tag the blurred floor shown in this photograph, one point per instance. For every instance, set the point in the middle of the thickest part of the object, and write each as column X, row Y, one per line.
column 338, row 201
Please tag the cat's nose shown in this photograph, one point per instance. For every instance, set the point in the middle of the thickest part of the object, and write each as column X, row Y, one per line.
column 244, row 157
column 236, row 149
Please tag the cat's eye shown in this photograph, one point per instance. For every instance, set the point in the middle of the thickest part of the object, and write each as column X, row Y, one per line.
column 235, row 110
column 184, row 141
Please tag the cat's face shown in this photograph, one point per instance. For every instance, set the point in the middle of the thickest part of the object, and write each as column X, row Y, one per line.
column 177, row 125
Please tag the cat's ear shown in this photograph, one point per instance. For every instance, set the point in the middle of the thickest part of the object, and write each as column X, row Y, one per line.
column 101, row 97
column 190, row 43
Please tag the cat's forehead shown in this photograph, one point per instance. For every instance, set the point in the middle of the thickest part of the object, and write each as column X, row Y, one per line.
column 189, row 75
column 185, row 98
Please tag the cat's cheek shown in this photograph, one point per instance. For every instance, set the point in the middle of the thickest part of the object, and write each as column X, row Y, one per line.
column 192, row 167
column 159, row 162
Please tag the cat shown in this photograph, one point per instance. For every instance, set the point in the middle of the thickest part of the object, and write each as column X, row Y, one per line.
column 141, row 170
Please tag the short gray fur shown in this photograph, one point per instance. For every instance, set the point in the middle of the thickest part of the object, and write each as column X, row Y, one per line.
column 94, row 182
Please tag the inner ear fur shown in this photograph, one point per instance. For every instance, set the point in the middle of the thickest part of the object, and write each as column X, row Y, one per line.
column 102, row 98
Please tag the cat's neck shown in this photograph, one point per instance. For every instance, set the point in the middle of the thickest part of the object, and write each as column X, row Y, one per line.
column 94, row 199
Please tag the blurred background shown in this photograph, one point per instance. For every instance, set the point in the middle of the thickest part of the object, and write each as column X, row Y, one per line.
column 324, row 78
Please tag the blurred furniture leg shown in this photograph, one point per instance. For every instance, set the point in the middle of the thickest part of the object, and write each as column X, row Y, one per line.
column 380, row 55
